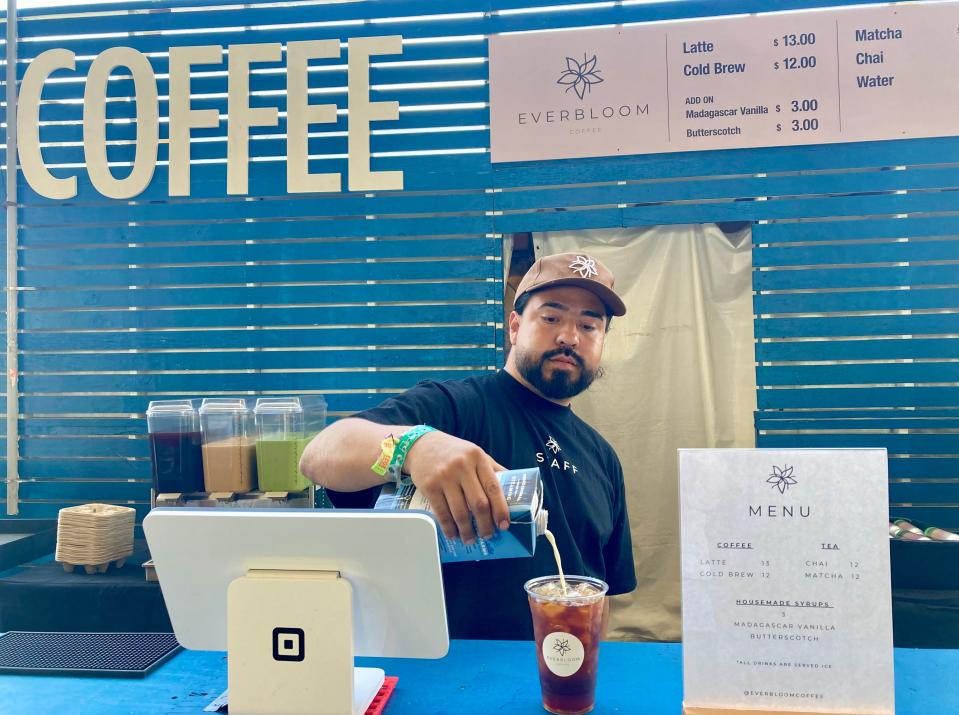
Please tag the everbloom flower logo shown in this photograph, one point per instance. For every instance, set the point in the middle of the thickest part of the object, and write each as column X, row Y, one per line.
column 585, row 266
column 781, row 479
column 580, row 77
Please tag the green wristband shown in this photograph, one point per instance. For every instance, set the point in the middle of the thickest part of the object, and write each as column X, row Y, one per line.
column 394, row 472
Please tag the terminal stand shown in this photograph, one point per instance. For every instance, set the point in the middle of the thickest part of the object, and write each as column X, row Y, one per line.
column 290, row 646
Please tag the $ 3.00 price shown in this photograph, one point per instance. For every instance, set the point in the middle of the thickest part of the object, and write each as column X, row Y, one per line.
column 801, row 125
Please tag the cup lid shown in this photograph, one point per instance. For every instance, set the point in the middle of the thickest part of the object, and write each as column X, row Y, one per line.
column 277, row 406
column 170, row 407
column 223, row 404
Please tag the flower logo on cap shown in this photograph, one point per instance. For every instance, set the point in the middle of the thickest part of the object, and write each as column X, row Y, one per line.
column 585, row 266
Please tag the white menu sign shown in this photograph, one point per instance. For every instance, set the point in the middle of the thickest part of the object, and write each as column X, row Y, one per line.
column 786, row 585
column 805, row 77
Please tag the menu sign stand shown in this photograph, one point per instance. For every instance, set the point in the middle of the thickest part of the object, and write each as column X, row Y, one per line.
column 786, row 583
column 736, row 711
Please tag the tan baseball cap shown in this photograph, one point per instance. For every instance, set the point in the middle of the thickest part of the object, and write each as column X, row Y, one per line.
column 573, row 269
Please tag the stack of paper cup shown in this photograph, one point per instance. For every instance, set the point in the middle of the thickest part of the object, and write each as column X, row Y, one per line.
column 94, row 534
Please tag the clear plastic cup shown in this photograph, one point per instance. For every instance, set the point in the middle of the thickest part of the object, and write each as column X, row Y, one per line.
column 314, row 414
column 281, row 437
column 229, row 445
column 567, row 628
column 174, row 428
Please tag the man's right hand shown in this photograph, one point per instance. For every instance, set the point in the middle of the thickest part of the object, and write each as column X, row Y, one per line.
column 459, row 479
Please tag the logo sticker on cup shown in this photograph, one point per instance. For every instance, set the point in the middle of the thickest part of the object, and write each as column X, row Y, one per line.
column 563, row 653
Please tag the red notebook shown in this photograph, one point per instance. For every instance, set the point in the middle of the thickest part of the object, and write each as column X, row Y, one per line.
column 382, row 698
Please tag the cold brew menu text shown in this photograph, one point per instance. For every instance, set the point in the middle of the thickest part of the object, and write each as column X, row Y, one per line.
column 786, row 587
column 791, row 78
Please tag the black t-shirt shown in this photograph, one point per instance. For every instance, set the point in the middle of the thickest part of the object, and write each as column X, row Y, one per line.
column 583, row 492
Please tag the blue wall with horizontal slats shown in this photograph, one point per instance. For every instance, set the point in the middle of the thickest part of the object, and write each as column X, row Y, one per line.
column 856, row 251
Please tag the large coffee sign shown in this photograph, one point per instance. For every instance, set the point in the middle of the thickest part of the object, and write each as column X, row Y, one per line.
column 775, row 79
column 301, row 115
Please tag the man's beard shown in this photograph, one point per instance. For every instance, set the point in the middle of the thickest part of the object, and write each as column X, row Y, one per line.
column 562, row 385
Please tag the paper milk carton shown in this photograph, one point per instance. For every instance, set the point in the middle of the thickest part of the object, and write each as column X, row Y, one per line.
column 523, row 490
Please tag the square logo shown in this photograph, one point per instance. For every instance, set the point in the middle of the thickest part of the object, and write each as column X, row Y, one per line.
column 289, row 644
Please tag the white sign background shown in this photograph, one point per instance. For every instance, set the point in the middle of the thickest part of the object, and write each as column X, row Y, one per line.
column 786, row 612
column 806, row 77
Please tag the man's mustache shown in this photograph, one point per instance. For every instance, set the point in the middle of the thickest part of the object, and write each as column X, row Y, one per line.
column 565, row 352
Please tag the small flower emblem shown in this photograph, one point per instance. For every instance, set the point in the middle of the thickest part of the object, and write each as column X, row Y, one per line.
column 552, row 444
column 781, row 479
column 580, row 77
column 586, row 267
column 562, row 646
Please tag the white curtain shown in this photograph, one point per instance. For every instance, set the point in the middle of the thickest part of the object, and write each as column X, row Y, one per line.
column 679, row 373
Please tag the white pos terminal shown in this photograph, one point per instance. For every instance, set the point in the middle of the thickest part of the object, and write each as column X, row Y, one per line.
column 293, row 595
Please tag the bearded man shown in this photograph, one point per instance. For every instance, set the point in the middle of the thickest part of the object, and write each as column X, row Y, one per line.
column 463, row 431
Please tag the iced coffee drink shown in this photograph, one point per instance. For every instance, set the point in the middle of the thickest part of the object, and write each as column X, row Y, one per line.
column 568, row 625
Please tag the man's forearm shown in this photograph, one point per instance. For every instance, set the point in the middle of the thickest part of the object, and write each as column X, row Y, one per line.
column 340, row 456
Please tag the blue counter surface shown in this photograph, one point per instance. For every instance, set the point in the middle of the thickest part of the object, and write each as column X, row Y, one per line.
column 476, row 677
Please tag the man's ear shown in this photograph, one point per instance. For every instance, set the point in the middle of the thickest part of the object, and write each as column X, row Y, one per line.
column 514, row 321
